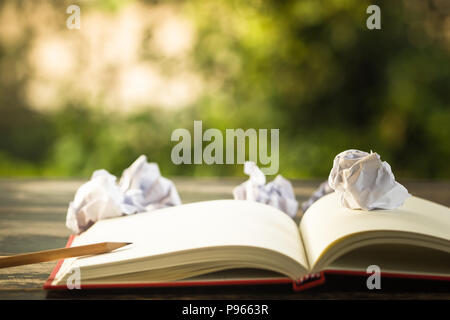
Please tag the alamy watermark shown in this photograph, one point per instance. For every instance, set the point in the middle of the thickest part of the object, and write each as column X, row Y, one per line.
column 374, row 280
column 235, row 144
column 74, row 280
column 374, row 20
column 74, row 20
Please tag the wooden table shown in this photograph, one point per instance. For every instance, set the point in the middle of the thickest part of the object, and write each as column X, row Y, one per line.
column 32, row 218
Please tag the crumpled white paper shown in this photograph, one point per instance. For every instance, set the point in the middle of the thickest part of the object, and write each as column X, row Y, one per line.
column 145, row 189
column 278, row 193
column 365, row 182
column 321, row 191
column 141, row 188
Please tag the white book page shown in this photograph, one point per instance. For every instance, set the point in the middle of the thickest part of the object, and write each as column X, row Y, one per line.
column 326, row 222
column 196, row 225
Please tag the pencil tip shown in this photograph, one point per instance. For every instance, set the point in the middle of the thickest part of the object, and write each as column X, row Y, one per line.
column 117, row 245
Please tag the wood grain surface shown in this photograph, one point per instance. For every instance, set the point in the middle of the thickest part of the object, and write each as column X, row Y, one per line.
column 32, row 218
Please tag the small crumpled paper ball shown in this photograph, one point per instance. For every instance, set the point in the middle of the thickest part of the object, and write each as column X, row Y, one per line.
column 278, row 193
column 365, row 182
column 320, row 192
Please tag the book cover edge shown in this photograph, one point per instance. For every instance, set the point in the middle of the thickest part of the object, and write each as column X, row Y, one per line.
column 309, row 281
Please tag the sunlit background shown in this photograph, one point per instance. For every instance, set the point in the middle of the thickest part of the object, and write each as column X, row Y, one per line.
column 72, row 101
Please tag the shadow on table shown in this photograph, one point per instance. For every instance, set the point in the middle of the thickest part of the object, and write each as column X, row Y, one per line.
column 336, row 287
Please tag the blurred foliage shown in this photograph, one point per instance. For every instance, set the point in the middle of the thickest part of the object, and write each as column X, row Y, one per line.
column 310, row 68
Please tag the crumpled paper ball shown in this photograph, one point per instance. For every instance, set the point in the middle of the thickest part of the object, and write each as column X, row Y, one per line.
column 321, row 191
column 145, row 189
column 278, row 193
column 141, row 188
column 363, row 181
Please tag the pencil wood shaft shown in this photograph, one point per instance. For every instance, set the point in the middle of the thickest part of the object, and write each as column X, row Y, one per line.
column 62, row 253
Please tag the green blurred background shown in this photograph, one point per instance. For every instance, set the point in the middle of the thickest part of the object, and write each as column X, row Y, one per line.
column 72, row 101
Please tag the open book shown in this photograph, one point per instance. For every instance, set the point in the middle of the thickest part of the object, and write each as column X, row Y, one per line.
column 239, row 240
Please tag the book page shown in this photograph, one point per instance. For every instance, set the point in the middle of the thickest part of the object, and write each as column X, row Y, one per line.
column 196, row 225
column 395, row 258
column 326, row 222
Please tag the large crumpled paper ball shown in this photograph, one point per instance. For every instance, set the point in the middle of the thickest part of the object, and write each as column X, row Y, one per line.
column 145, row 188
column 141, row 188
column 99, row 198
column 365, row 182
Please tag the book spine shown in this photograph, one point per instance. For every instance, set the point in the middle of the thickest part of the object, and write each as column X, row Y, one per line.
column 309, row 281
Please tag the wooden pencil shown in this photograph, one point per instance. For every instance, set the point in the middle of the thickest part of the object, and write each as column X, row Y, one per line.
column 57, row 254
